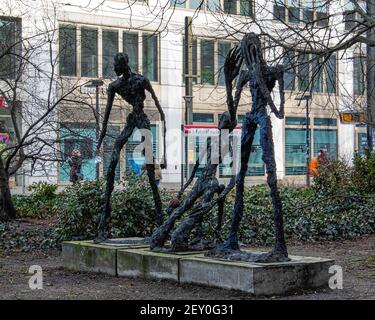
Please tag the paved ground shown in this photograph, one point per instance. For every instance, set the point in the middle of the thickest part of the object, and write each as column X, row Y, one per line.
column 356, row 257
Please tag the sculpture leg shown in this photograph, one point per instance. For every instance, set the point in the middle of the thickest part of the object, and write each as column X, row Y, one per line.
column 150, row 167
column 180, row 237
column 220, row 213
column 160, row 235
column 266, row 142
column 248, row 131
column 155, row 193
column 106, row 210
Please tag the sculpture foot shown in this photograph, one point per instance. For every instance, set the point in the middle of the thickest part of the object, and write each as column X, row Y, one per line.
column 100, row 238
column 272, row 257
column 222, row 250
column 201, row 245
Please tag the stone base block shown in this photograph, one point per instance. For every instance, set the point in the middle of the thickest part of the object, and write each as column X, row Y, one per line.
column 257, row 278
column 89, row 256
column 148, row 264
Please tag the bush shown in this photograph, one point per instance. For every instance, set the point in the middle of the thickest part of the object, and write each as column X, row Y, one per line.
column 132, row 209
column 340, row 177
column 308, row 215
column 364, row 172
column 41, row 202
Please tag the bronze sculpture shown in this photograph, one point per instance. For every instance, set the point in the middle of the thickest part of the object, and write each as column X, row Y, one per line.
column 261, row 79
column 131, row 87
column 203, row 192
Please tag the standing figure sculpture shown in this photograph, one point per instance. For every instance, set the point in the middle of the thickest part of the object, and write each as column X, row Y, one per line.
column 131, row 87
column 261, row 79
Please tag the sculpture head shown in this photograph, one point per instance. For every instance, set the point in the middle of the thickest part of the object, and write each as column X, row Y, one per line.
column 121, row 64
column 251, row 49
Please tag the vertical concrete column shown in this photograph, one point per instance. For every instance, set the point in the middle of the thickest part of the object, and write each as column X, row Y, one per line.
column 346, row 132
column 171, row 99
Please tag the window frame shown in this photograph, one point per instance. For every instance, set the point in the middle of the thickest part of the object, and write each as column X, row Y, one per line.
column 322, row 75
column 205, row 7
column 17, row 46
column 120, row 44
column 284, row 11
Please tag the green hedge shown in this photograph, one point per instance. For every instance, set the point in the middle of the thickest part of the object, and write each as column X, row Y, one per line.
column 339, row 205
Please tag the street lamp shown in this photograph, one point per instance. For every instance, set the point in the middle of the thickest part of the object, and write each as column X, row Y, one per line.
column 97, row 83
column 307, row 98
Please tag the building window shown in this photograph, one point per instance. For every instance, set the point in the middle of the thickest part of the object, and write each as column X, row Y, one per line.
column 361, row 142
column 317, row 74
column 279, row 10
column 81, row 137
column 358, row 76
column 326, row 139
column 246, row 8
column 207, row 62
column 325, row 122
column 303, row 72
column 295, row 151
column 150, row 56
column 213, row 5
column 240, row 7
column 312, row 71
column 223, row 49
column 321, row 7
column 255, row 166
column 68, row 50
column 296, row 11
column 301, row 121
column 10, row 46
column 230, row 6
column 130, row 47
column 293, row 11
column 295, row 142
column 179, row 3
column 195, row 4
column 290, row 70
column 110, row 49
column 203, row 117
column 331, row 74
column 89, row 52
column 307, row 7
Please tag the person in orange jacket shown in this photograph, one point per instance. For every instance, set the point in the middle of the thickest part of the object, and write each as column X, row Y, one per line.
column 313, row 167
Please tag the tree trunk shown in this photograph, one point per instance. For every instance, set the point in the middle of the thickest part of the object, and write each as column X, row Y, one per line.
column 7, row 210
column 371, row 79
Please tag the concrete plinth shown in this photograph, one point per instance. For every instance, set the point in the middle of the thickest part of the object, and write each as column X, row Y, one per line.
column 89, row 256
column 257, row 278
column 136, row 260
column 148, row 264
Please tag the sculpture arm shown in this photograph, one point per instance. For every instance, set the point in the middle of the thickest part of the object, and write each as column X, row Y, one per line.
column 266, row 93
column 108, row 108
column 181, row 192
column 205, row 208
column 242, row 80
column 232, row 67
column 150, row 89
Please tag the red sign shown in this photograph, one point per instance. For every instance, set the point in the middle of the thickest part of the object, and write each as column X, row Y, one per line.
column 206, row 130
column 3, row 103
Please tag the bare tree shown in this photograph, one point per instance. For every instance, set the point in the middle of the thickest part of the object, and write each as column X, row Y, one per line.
column 32, row 92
